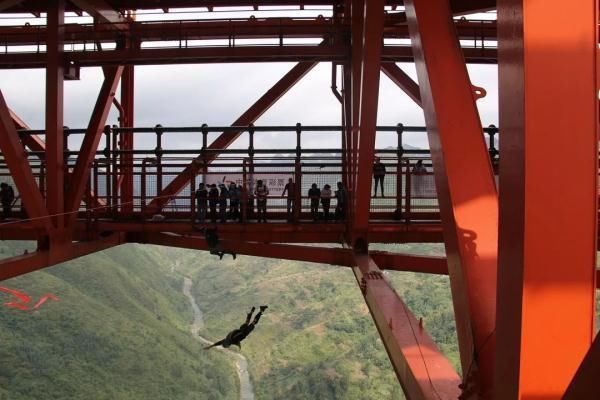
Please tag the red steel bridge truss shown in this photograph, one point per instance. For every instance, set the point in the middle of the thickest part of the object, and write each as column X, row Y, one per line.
column 521, row 261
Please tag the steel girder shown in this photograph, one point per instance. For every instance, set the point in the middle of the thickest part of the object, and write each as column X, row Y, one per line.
column 404, row 82
column 366, row 64
column 126, row 141
column 15, row 158
column 36, row 6
column 224, row 140
column 206, row 55
column 585, row 382
column 79, row 179
column 422, row 369
column 33, row 142
column 103, row 12
column 464, row 181
column 55, row 161
column 56, row 254
column 548, row 213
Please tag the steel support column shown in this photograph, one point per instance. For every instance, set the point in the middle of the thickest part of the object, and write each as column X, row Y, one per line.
column 81, row 172
column 55, row 167
column 227, row 138
column 410, row 262
column 126, row 139
column 585, row 382
column 366, row 63
column 422, row 369
column 16, row 159
column 547, row 248
column 464, row 181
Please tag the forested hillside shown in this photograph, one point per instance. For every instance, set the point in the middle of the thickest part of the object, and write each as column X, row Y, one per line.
column 317, row 339
column 119, row 331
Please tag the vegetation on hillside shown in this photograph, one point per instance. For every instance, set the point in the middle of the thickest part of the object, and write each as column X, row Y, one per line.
column 119, row 331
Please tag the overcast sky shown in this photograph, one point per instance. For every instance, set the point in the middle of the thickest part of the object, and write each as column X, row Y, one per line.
column 190, row 95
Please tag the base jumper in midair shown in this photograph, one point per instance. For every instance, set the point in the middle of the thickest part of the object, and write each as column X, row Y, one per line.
column 236, row 336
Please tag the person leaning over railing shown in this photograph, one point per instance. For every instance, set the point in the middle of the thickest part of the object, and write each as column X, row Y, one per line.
column 261, row 192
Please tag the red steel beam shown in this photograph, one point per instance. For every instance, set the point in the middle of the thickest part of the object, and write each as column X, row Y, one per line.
column 34, row 142
column 368, row 65
column 104, row 12
column 458, row 6
column 16, row 159
column 585, row 382
column 404, row 82
column 464, row 181
column 20, row 265
column 323, row 255
column 422, row 369
column 81, row 172
column 227, row 138
column 55, row 113
column 126, row 139
column 546, row 288
column 206, row 55
column 410, row 262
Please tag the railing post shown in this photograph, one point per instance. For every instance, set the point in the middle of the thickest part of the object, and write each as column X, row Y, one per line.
column 143, row 187
column 297, row 190
column 408, row 181
column 158, row 152
column 244, row 202
column 298, row 140
column 251, row 170
column 192, row 196
column 399, row 154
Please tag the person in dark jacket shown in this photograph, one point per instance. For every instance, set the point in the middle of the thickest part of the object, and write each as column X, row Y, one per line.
column 7, row 196
column 378, row 175
column 236, row 336
column 201, row 202
column 314, row 193
column 341, row 198
column 213, row 200
column 223, row 196
column 234, row 202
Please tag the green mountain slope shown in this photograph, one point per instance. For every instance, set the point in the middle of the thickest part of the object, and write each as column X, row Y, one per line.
column 119, row 331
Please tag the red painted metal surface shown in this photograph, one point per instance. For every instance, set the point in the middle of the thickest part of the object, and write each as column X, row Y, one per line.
column 465, row 184
column 547, row 242
column 15, row 158
column 33, row 142
column 367, row 64
column 422, row 369
column 54, row 113
column 126, row 141
column 404, row 82
column 410, row 262
column 81, row 172
column 102, row 11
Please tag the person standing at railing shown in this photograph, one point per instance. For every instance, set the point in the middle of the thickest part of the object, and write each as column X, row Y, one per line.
column 213, row 200
column 314, row 193
column 234, row 201
column 261, row 192
column 326, row 201
column 341, row 199
column 223, row 196
column 378, row 175
column 7, row 196
column 201, row 202
column 419, row 171
column 290, row 189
